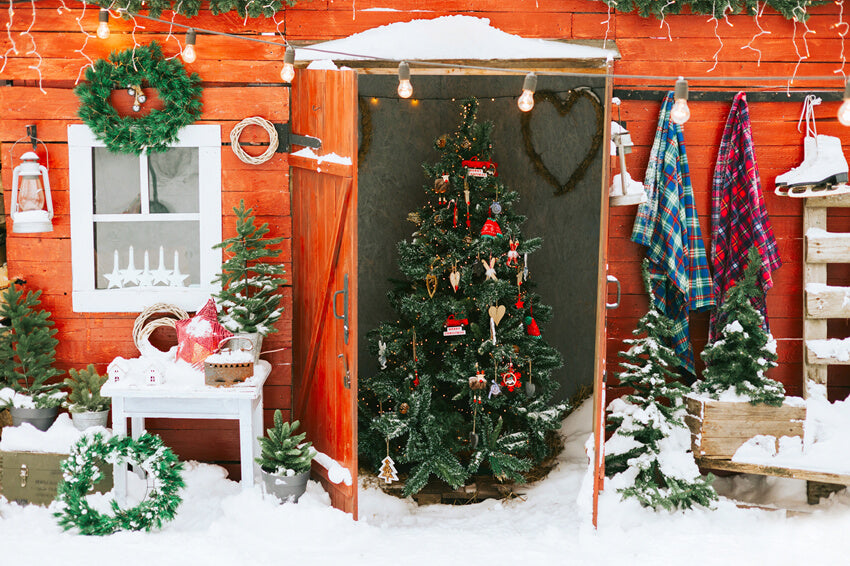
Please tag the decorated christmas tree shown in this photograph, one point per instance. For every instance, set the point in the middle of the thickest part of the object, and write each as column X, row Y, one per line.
column 28, row 348
column 649, row 446
column 249, row 295
column 738, row 359
column 465, row 384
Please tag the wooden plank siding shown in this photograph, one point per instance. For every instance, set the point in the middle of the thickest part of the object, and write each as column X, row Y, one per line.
column 682, row 45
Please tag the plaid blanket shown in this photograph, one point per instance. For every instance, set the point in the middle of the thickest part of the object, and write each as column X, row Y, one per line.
column 738, row 215
column 668, row 225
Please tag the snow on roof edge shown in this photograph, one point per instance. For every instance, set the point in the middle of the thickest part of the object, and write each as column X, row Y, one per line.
column 449, row 38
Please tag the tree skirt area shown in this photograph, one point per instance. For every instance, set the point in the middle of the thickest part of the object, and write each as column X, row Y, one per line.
column 219, row 523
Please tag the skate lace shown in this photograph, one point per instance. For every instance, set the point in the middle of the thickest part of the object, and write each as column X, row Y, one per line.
column 808, row 113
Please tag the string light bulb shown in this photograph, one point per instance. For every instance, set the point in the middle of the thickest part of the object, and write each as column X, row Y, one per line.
column 288, row 71
column 189, row 54
column 844, row 109
column 680, row 113
column 405, row 89
column 526, row 99
column 103, row 25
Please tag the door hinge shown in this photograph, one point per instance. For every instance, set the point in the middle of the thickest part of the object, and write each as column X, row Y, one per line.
column 286, row 139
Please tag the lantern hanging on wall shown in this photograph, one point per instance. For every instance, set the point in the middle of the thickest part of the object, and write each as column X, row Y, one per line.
column 32, row 205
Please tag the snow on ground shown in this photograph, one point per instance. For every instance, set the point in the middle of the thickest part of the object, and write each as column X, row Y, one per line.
column 218, row 523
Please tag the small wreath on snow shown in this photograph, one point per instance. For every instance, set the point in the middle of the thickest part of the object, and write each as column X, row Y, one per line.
column 80, row 473
column 143, row 65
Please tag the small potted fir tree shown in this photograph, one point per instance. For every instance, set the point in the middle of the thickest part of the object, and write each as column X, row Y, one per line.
column 88, row 408
column 285, row 460
column 27, row 355
column 249, row 298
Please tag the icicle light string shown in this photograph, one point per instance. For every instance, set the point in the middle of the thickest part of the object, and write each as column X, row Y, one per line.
column 435, row 64
column 841, row 27
column 762, row 31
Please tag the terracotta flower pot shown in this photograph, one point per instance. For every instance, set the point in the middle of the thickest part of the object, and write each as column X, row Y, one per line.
column 286, row 488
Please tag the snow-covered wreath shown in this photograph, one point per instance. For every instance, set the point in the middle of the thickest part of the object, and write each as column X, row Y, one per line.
column 80, row 472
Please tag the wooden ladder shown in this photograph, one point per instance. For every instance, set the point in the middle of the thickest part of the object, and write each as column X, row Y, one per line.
column 821, row 302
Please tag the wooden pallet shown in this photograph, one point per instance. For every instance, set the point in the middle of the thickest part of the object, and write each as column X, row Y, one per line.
column 479, row 489
column 818, row 483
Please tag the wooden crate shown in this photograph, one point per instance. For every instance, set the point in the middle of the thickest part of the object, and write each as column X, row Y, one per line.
column 32, row 477
column 719, row 428
column 479, row 488
column 5, row 420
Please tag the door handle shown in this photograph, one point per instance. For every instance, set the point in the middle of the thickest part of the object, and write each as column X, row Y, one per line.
column 346, row 379
column 344, row 315
column 612, row 279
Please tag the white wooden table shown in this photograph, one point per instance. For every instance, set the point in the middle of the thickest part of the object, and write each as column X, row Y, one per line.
column 178, row 400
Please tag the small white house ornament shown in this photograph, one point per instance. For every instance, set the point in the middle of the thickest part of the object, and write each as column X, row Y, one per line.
column 154, row 375
column 117, row 370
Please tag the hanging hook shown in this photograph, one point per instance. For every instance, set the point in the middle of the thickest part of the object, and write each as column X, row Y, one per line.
column 32, row 132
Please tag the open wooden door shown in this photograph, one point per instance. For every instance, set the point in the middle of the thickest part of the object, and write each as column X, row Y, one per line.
column 324, row 247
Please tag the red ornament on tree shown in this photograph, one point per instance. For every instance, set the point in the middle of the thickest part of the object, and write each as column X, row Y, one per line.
column 454, row 326
column 491, row 229
column 511, row 378
column 531, row 327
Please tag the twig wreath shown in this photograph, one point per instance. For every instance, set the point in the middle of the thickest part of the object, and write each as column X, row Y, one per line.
column 180, row 94
column 563, row 107
column 80, row 473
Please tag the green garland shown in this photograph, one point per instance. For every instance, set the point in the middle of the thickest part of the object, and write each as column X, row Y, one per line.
column 189, row 8
column 179, row 92
column 791, row 9
column 80, row 473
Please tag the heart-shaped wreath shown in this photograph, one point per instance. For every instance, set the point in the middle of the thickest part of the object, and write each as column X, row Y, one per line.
column 563, row 106
column 80, row 473
column 180, row 94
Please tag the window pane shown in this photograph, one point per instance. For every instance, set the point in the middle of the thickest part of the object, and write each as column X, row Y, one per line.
column 179, row 237
column 116, row 182
column 173, row 180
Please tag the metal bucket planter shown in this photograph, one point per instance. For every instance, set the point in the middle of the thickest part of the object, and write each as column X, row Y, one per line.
column 88, row 419
column 256, row 340
column 39, row 418
column 286, row 488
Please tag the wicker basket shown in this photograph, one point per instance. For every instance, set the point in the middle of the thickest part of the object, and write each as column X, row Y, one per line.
column 225, row 374
column 143, row 328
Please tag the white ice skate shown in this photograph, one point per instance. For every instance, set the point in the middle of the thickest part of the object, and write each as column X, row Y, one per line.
column 625, row 190
column 825, row 176
column 810, row 147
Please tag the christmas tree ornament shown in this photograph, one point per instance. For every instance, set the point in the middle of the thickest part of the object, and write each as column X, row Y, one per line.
column 431, row 284
column 496, row 312
column 454, row 278
column 454, row 216
column 529, row 386
column 490, row 269
column 478, row 168
column 441, row 141
column 403, row 408
column 454, row 326
column 388, row 473
column 493, row 330
column 477, row 383
column 525, row 272
column 491, row 229
column 495, row 390
column 473, row 436
column 513, row 255
column 511, row 378
column 466, row 198
column 382, row 354
column 531, row 327
column 441, row 184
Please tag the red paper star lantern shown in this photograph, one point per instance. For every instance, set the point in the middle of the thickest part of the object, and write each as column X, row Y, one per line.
column 199, row 336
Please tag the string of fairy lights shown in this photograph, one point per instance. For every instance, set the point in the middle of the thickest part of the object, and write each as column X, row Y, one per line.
column 525, row 102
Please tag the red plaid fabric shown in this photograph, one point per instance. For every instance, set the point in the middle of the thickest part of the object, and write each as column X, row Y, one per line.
column 739, row 218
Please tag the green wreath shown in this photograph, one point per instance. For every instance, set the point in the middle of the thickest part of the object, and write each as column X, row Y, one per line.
column 80, row 473
column 179, row 92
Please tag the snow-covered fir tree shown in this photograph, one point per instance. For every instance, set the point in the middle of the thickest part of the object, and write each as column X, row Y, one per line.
column 738, row 359
column 649, row 448
column 466, row 384
column 249, row 296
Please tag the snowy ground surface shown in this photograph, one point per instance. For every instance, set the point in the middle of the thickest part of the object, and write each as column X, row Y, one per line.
column 218, row 523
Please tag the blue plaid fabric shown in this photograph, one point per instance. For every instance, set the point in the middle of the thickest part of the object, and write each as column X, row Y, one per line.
column 668, row 225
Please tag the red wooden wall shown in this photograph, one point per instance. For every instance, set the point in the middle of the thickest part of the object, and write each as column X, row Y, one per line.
column 231, row 69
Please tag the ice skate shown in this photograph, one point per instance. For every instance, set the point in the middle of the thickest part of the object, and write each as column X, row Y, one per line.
column 827, row 175
column 625, row 190
column 810, row 148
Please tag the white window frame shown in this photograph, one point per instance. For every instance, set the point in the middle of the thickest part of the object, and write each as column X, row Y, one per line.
column 86, row 297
